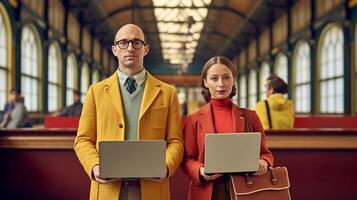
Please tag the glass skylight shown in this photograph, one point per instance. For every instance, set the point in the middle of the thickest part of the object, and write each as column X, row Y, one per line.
column 180, row 24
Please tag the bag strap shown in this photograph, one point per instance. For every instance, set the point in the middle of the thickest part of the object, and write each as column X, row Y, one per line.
column 248, row 123
column 268, row 113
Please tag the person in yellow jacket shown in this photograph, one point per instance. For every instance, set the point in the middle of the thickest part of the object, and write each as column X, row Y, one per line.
column 129, row 105
column 276, row 112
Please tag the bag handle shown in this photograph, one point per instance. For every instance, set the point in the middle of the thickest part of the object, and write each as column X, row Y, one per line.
column 249, row 180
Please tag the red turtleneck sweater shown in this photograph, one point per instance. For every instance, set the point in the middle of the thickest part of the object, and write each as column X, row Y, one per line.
column 222, row 115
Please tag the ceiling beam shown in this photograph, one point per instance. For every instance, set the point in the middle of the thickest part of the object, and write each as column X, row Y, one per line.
column 239, row 29
column 278, row 6
column 78, row 6
column 152, row 7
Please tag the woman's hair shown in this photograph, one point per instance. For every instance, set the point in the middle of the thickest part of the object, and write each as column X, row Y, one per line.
column 221, row 60
column 278, row 84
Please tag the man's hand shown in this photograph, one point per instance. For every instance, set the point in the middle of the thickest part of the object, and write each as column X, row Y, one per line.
column 263, row 168
column 208, row 177
column 95, row 172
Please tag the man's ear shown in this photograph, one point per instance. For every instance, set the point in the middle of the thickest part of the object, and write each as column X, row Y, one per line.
column 146, row 49
column 114, row 50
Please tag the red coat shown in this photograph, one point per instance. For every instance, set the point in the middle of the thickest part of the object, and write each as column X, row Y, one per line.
column 196, row 126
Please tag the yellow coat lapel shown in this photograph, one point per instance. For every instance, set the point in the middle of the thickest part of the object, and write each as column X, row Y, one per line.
column 152, row 89
column 113, row 93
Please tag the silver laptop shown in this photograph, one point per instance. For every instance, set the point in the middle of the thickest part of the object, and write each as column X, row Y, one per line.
column 232, row 152
column 132, row 159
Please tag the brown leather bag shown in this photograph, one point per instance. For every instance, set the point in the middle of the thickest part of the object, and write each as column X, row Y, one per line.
column 273, row 185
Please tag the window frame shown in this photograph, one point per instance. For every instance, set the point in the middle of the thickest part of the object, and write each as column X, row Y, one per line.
column 33, row 101
column 95, row 76
column 251, row 103
column 278, row 57
column 262, row 81
column 9, row 68
column 354, row 86
column 85, row 74
column 70, row 89
column 59, row 83
column 243, row 91
column 319, row 81
column 296, row 86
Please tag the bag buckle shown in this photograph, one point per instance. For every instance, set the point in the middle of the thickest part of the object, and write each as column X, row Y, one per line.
column 249, row 184
column 248, row 181
column 274, row 181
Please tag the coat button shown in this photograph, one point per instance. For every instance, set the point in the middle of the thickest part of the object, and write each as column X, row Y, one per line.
column 120, row 125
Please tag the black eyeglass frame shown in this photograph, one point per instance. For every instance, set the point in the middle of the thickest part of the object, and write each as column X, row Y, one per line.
column 143, row 43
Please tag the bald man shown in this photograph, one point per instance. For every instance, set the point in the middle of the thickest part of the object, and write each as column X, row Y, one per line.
column 129, row 105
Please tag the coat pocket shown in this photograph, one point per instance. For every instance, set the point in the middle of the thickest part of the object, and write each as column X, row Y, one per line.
column 159, row 117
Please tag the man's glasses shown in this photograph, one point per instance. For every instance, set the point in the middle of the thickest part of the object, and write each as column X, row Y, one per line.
column 136, row 43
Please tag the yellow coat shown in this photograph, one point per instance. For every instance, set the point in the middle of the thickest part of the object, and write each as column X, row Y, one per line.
column 281, row 112
column 159, row 119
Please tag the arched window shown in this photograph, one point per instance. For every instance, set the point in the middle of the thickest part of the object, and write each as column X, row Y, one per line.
column 72, row 78
column 95, row 76
column 3, row 60
column 331, row 70
column 243, row 92
column 30, row 68
column 103, row 75
column 264, row 73
column 54, row 77
column 281, row 66
column 235, row 97
column 252, row 88
column 181, row 94
column 355, row 85
column 84, row 80
column 302, row 74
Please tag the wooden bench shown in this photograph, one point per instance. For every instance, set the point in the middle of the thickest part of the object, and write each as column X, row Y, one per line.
column 41, row 164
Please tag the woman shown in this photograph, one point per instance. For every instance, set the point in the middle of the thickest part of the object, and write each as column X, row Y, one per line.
column 281, row 110
column 219, row 116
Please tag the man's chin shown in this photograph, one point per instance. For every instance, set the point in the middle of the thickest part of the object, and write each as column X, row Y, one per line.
column 130, row 64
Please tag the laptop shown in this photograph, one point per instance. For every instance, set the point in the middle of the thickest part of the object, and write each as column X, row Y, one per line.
column 232, row 152
column 132, row 159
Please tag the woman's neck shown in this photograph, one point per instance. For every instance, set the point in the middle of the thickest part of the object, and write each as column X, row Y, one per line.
column 221, row 103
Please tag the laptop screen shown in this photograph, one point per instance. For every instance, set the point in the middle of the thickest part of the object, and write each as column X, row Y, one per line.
column 232, row 152
column 132, row 159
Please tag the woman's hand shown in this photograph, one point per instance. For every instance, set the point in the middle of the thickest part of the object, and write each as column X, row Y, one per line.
column 263, row 168
column 95, row 172
column 208, row 177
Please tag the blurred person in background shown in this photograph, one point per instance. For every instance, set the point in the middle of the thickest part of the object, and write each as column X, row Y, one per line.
column 277, row 111
column 17, row 117
column 76, row 108
column 14, row 93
